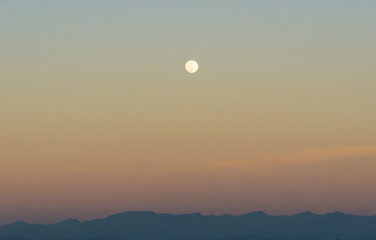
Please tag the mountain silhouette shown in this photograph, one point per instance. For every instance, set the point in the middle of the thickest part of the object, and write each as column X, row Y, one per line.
column 152, row 226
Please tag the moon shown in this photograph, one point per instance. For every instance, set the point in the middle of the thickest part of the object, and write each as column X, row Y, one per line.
column 191, row 66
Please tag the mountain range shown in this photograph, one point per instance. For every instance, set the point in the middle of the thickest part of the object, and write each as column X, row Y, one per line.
column 134, row 225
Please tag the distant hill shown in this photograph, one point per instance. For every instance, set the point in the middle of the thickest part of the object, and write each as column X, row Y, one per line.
column 152, row 226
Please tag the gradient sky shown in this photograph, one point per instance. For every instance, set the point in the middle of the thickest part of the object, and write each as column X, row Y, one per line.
column 98, row 116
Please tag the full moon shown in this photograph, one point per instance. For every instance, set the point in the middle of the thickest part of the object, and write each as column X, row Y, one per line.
column 191, row 66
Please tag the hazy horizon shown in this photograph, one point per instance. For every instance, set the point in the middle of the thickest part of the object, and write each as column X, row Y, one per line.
column 99, row 116
column 180, row 214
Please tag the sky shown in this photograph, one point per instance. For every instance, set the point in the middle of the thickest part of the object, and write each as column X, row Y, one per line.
column 99, row 116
